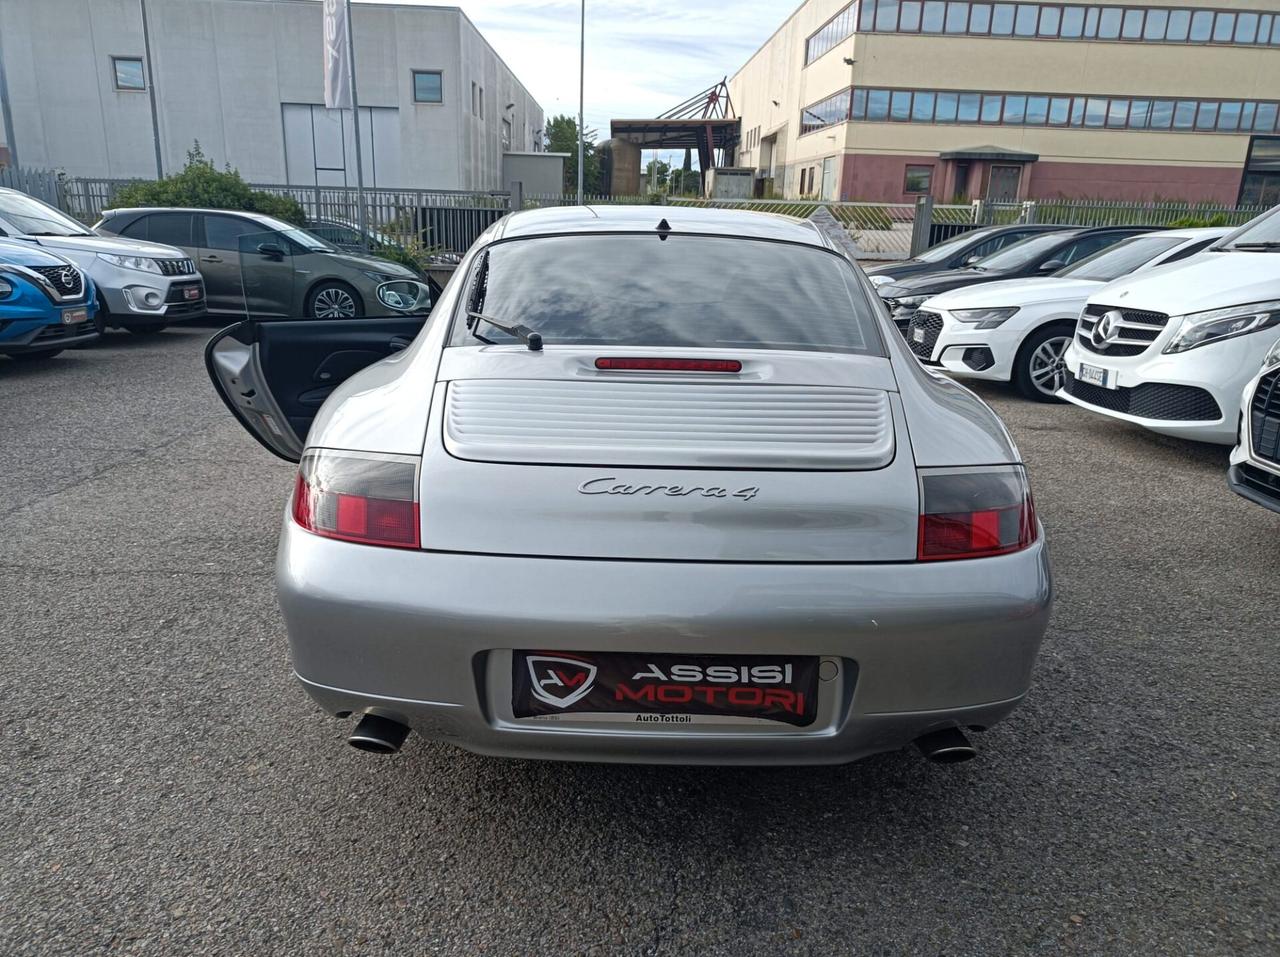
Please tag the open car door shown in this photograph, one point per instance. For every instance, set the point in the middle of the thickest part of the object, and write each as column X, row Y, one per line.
column 274, row 374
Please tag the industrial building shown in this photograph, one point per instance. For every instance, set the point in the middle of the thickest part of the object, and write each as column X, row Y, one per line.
column 123, row 88
column 887, row 100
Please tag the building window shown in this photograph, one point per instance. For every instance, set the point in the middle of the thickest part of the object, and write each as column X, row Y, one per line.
column 128, row 73
column 1261, row 183
column 1019, row 109
column 481, row 114
column 428, row 86
column 475, row 99
column 506, row 134
column 919, row 179
column 1050, row 21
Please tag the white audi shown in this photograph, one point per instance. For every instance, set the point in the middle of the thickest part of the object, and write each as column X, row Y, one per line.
column 1017, row 330
column 1172, row 349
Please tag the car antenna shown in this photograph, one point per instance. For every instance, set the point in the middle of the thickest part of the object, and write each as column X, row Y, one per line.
column 664, row 226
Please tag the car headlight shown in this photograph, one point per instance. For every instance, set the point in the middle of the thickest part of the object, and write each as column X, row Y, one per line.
column 6, row 289
column 141, row 263
column 1273, row 355
column 380, row 276
column 984, row 318
column 879, row 280
column 1202, row 328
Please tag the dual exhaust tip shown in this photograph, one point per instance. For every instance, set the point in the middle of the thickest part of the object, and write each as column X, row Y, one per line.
column 378, row 735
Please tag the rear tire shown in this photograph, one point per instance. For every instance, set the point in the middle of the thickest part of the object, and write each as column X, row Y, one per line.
column 1038, row 370
column 334, row 300
column 34, row 356
column 138, row 330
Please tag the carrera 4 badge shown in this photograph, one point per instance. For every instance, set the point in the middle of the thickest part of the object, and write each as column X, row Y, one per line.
column 609, row 485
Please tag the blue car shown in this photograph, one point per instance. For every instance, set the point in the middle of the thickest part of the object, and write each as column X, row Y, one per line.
column 47, row 303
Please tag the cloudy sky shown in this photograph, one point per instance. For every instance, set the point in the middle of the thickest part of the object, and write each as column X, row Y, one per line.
column 643, row 56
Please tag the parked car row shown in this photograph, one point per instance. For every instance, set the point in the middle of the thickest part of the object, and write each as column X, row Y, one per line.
column 1162, row 329
column 145, row 269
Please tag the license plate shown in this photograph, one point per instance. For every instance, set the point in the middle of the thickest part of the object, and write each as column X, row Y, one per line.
column 1097, row 376
column 917, row 334
column 191, row 292
column 663, row 689
column 72, row 316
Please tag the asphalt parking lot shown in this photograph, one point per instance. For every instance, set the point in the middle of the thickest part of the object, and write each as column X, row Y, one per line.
column 169, row 790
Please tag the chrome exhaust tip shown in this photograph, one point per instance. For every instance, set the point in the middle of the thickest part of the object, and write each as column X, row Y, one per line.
column 946, row 746
column 378, row 735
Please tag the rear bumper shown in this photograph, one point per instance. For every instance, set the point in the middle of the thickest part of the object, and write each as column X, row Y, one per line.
column 420, row 637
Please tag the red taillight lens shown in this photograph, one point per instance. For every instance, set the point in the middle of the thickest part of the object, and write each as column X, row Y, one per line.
column 637, row 364
column 974, row 513
column 359, row 497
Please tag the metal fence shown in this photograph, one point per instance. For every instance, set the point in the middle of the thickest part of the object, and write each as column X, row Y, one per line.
column 40, row 183
column 451, row 220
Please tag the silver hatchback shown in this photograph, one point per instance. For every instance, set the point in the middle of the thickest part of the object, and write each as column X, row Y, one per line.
column 645, row 489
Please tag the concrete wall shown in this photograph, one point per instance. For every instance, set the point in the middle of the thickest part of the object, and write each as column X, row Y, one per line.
column 1074, row 162
column 223, row 69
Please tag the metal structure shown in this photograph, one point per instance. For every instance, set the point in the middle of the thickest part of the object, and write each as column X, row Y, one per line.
column 705, row 122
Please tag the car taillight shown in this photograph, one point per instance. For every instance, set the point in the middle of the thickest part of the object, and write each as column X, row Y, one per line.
column 974, row 513
column 360, row 497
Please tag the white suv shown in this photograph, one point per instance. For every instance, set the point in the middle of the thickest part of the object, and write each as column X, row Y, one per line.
column 1173, row 348
column 1016, row 330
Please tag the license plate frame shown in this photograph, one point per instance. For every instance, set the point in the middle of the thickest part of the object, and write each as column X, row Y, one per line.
column 75, row 315
column 1097, row 375
column 665, row 691
column 191, row 293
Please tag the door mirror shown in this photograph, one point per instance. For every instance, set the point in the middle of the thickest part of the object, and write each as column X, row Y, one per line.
column 273, row 251
column 970, row 259
column 1053, row 265
column 405, row 296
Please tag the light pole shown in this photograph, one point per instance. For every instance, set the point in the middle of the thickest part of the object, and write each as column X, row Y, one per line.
column 582, row 85
column 151, row 88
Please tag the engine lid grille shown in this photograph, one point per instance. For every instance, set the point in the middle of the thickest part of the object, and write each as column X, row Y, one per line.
column 699, row 425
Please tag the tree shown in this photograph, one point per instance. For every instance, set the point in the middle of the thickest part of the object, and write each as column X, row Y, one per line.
column 201, row 184
column 648, row 181
column 562, row 137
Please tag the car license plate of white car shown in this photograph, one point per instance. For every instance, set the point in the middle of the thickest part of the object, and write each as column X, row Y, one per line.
column 917, row 334
column 191, row 292
column 664, row 689
column 72, row 316
column 1095, row 375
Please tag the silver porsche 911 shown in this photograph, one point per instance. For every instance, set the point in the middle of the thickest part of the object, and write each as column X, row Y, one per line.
column 650, row 484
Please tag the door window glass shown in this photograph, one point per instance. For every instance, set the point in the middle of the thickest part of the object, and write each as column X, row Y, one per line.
column 171, row 229
column 224, row 232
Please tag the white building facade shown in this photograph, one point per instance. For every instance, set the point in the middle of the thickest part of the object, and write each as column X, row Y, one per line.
column 115, row 88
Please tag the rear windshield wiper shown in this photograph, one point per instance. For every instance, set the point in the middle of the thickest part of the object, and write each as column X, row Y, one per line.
column 522, row 332
column 1268, row 244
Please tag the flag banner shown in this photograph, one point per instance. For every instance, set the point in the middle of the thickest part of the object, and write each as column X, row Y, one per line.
column 337, row 54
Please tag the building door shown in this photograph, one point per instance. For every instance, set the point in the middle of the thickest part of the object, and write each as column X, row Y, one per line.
column 1003, row 186
column 829, row 179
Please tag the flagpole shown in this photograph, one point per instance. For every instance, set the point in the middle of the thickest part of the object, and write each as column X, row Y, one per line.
column 582, row 74
column 355, row 120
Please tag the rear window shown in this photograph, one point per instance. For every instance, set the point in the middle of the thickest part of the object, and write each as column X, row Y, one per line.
column 691, row 291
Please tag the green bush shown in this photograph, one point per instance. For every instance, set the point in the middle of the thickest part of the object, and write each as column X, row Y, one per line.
column 200, row 184
column 1200, row 222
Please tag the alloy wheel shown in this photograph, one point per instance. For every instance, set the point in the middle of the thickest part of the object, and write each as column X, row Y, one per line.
column 334, row 303
column 1047, row 365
